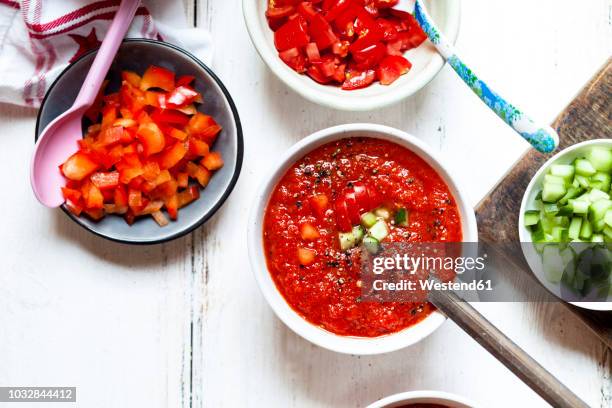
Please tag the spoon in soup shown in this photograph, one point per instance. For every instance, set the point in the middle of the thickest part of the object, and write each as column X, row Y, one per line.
column 541, row 136
column 58, row 140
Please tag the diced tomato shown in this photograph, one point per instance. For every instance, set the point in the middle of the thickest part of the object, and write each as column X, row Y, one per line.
column 294, row 58
column 279, row 12
column 391, row 68
column 78, row 166
column 375, row 198
column 352, row 207
column 341, row 48
column 342, row 216
column 291, row 35
column 312, row 51
column 316, row 74
column 386, row 3
column 367, row 54
column 362, row 198
column 157, row 77
column 357, row 80
column 321, row 32
column 339, row 7
column 306, row 10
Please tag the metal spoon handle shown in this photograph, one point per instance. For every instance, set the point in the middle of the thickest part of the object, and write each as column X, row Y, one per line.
column 540, row 135
column 505, row 350
column 104, row 58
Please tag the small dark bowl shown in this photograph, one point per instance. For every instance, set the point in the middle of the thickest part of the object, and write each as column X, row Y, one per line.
column 136, row 55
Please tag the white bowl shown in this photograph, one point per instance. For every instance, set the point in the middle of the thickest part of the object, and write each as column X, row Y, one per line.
column 426, row 62
column 423, row 397
column 565, row 156
column 316, row 335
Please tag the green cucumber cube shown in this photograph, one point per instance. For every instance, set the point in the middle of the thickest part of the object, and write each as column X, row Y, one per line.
column 531, row 218
column 601, row 181
column 564, row 171
column 401, row 217
column 380, row 230
column 347, row 240
column 371, row 244
column 554, row 180
column 584, row 168
column 600, row 158
column 368, row 219
column 553, row 192
column 574, row 228
column 608, row 218
column 586, row 231
column 358, row 233
column 580, row 206
column 383, row 213
column 597, row 210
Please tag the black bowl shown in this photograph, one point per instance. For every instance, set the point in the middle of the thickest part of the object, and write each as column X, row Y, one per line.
column 136, row 55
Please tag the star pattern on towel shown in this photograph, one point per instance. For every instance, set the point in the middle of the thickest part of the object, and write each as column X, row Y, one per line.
column 85, row 43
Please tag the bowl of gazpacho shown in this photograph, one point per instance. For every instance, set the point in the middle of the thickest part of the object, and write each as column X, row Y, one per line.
column 423, row 399
column 333, row 194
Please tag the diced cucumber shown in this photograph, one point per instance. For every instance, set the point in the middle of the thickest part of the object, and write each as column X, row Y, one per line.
column 358, row 233
column 582, row 181
column 551, row 208
column 553, row 192
column 608, row 231
column 347, row 240
column 554, row 179
column 601, row 181
column 596, row 194
column 608, row 218
column 371, row 244
column 584, row 168
column 553, row 263
column 368, row 219
column 599, row 225
column 380, row 230
column 579, row 206
column 597, row 238
column 564, row 171
column 572, row 192
column 597, row 210
column 537, row 233
column 574, row 228
column 559, row 234
column 600, row 158
column 383, row 213
column 401, row 217
column 566, row 211
column 586, row 231
column 532, row 218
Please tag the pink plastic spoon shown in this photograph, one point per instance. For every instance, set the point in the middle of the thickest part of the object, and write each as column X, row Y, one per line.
column 58, row 140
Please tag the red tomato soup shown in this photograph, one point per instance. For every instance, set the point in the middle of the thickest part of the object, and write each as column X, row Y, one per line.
column 333, row 190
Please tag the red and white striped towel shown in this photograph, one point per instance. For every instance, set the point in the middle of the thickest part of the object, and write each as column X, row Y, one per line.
column 39, row 38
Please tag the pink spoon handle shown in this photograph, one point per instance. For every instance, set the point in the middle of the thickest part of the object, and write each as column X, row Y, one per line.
column 106, row 53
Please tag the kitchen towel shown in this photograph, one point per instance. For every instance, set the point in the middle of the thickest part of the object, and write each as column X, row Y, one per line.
column 39, row 38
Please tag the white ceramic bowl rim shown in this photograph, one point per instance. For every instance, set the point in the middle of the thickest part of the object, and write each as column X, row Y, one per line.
column 525, row 236
column 426, row 396
column 347, row 100
column 316, row 335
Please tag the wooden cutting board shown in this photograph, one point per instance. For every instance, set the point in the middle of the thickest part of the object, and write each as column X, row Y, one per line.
column 587, row 117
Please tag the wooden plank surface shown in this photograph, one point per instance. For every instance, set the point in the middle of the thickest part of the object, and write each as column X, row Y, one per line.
column 183, row 324
column 587, row 117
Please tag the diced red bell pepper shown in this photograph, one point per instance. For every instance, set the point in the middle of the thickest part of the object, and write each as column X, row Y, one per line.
column 105, row 180
column 203, row 127
column 157, row 77
column 367, row 54
column 78, row 166
column 291, row 35
column 319, row 203
column 212, row 161
column 185, row 80
column 95, row 199
column 170, row 117
column 71, row 194
column 181, row 96
column 151, row 138
column 187, row 196
column 198, row 148
column 131, row 77
column 200, row 173
column 171, row 156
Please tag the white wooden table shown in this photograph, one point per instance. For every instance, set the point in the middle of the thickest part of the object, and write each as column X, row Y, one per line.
column 184, row 325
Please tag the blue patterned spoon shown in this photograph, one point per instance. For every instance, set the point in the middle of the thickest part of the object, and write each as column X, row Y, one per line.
column 542, row 137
